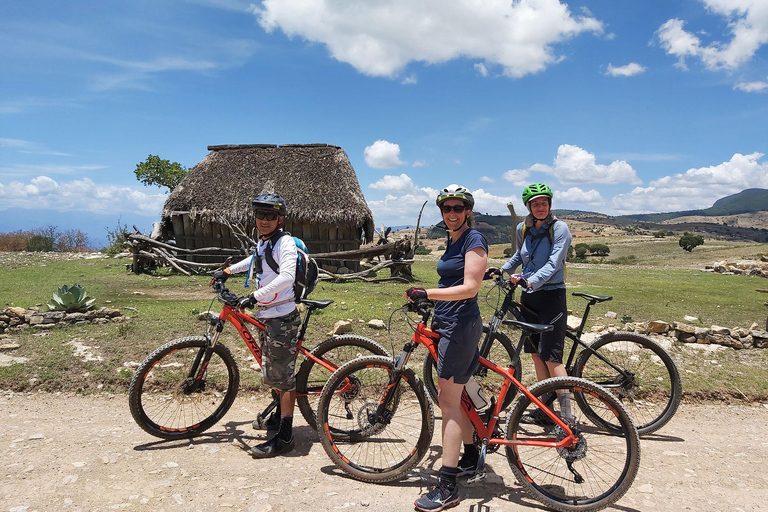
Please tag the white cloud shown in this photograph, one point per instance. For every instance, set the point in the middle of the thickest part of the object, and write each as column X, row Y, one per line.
column 518, row 177
column 381, row 38
column 486, row 179
column 574, row 165
column 402, row 184
column 410, row 80
column 631, row 69
column 696, row 188
column 485, row 202
column 25, row 146
column 383, row 155
column 420, row 163
column 748, row 27
column 576, row 195
column 751, row 86
column 45, row 193
column 481, row 69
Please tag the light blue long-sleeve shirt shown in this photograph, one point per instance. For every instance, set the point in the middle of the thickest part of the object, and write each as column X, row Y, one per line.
column 543, row 263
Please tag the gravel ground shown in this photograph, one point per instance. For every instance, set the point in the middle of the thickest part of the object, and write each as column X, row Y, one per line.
column 76, row 453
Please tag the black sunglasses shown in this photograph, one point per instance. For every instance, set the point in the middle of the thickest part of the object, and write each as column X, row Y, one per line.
column 458, row 208
column 266, row 215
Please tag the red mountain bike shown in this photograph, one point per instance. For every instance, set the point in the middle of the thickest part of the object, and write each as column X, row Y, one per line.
column 375, row 422
column 187, row 385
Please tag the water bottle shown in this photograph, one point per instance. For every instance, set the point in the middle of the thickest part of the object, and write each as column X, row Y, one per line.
column 476, row 394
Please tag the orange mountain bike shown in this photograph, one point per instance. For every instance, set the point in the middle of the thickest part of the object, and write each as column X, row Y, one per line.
column 187, row 385
column 375, row 422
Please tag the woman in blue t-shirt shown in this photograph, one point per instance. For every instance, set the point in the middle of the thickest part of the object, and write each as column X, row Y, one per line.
column 457, row 320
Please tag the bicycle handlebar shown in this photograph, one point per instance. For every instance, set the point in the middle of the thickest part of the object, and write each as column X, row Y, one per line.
column 224, row 295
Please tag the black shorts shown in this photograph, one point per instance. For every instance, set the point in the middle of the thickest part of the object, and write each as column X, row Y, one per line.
column 457, row 350
column 551, row 308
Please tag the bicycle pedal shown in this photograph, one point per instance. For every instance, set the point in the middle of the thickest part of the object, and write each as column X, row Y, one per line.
column 480, row 475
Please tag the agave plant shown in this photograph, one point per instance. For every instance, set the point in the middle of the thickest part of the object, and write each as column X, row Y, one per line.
column 71, row 299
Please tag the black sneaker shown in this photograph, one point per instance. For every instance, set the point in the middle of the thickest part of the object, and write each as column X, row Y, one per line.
column 438, row 498
column 272, row 448
column 467, row 465
column 536, row 417
column 271, row 423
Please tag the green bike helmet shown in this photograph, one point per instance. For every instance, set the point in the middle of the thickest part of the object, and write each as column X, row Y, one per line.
column 455, row 192
column 536, row 190
column 270, row 201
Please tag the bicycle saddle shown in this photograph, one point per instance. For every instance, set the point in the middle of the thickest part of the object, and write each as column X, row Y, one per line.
column 317, row 304
column 596, row 298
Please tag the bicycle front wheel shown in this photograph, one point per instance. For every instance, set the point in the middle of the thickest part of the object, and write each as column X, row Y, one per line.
column 368, row 448
column 590, row 474
column 648, row 384
column 312, row 376
column 501, row 353
column 168, row 402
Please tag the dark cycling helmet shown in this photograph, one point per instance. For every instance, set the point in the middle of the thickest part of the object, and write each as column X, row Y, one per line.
column 270, row 202
column 455, row 192
column 536, row 190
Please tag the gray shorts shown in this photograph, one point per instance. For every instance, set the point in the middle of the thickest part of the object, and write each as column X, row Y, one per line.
column 278, row 351
column 457, row 350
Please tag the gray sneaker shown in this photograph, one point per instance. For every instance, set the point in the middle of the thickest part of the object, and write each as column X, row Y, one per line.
column 438, row 498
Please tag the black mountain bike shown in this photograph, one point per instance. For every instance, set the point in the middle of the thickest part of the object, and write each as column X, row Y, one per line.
column 633, row 367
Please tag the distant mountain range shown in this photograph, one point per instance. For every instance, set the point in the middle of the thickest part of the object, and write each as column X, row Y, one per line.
column 496, row 228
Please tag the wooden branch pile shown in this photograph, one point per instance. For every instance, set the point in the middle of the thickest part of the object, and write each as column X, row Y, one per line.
column 150, row 253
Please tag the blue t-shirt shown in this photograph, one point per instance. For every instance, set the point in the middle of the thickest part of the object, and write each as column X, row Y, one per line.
column 450, row 268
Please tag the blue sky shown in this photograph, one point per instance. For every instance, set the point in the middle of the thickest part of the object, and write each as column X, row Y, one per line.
column 621, row 106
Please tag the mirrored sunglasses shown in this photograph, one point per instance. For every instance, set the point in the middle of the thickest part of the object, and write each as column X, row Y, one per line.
column 458, row 208
column 266, row 215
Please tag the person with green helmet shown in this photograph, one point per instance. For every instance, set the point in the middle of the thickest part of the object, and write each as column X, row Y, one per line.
column 277, row 310
column 542, row 245
column 457, row 320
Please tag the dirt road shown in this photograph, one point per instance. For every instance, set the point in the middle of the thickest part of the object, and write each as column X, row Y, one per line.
column 78, row 453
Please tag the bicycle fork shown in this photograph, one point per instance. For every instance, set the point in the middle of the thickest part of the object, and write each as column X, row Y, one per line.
column 386, row 407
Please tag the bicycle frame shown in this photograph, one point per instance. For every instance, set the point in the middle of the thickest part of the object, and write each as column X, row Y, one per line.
column 509, row 304
column 240, row 320
column 424, row 335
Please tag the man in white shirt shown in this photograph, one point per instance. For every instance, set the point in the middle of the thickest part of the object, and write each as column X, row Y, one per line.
column 277, row 310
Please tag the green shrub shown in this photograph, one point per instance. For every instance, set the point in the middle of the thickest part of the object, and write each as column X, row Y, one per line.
column 688, row 241
column 71, row 299
column 599, row 249
column 421, row 250
column 116, row 238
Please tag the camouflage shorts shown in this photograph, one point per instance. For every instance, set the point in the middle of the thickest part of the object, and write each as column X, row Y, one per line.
column 278, row 347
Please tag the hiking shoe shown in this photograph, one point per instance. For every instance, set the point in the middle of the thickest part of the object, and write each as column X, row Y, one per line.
column 272, row 448
column 438, row 498
column 536, row 417
column 271, row 423
column 467, row 465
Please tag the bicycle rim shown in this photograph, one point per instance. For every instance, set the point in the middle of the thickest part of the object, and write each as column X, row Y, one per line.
column 589, row 475
column 374, row 451
column 652, row 391
column 311, row 376
column 167, row 403
column 502, row 353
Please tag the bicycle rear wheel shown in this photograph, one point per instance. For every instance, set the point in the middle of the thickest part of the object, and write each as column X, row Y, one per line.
column 312, row 376
column 165, row 399
column 502, row 353
column 367, row 449
column 652, row 388
column 589, row 475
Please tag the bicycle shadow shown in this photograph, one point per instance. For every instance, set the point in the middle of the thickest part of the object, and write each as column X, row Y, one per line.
column 238, row 433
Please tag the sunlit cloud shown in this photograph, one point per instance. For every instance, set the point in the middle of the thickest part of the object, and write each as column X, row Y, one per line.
column 29, row 147
column 83, row 195
column 748, row 27
column 382, row 38
column 383, row 155
column 696, row 188
column 630, row 69
column 751, row 86
column 574, row 165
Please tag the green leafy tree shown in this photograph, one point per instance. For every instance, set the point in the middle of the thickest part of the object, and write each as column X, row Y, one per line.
column 689, row 241
column 156, row 171
column 599, row 249
column 581, row 251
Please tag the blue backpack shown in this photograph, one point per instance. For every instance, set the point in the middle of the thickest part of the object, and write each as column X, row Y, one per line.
column 307, row 271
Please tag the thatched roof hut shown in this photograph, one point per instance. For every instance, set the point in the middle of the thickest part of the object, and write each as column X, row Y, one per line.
column 325, row 204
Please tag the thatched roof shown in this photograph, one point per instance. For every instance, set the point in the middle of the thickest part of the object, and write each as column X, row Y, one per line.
column 316, row 180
